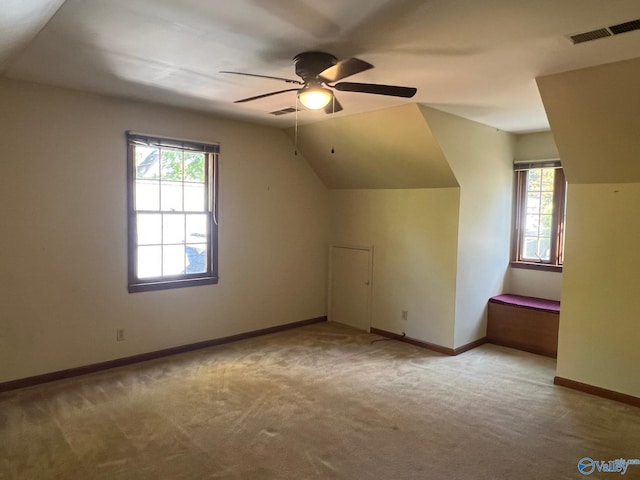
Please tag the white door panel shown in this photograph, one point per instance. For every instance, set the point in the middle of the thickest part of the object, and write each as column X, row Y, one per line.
column 350, row 288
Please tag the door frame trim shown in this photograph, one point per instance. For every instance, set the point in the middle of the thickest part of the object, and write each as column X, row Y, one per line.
column 366, row 248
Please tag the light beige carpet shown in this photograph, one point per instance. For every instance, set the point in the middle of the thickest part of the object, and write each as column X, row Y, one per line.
column 319, row 402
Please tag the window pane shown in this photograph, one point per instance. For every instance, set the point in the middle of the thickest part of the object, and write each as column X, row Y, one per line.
column 196, row 258
column 545, row 225
column 149, row 229
column 531, row 248
column 147, row 195
column 171, row 196
column 546, row 203
column 146, row 162
column 171, row 165
column 149, row 262
column 532, row 226
column 196, row 228
column 173, row 260
column 544, row 249
column 533, row 179
column 194, row 167
column 194, row 197
column 533, row 202
column 548, row 175
column 173, row 228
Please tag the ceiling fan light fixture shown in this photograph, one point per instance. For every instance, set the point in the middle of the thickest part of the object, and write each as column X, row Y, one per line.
column 319, row 70
column 315, row 97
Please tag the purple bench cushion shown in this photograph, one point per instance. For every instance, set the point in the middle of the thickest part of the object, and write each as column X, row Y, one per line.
column 552, row 306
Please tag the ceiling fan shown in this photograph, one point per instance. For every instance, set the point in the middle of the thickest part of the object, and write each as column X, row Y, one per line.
column 319, row 70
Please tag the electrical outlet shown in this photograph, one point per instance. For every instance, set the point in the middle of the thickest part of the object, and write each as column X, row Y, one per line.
column 120, row 335
column 405, row 314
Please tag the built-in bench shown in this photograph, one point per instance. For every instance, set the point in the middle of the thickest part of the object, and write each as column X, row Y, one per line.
column 525, row 323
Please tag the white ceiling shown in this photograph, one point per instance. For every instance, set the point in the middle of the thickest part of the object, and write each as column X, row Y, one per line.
column 473, row 58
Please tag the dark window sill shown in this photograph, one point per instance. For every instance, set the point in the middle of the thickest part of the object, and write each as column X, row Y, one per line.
column 537, row 266
column 169, row 284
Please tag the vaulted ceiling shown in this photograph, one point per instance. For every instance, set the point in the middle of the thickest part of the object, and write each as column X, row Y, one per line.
column 476, row 59
column 390, row 148
column 595, row 128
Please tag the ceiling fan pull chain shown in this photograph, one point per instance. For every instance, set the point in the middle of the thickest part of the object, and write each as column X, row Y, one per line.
column 333, row 115
column 295, row 135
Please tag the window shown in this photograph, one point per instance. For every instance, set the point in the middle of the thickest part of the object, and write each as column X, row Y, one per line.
column 172, row 208
column 538, row 236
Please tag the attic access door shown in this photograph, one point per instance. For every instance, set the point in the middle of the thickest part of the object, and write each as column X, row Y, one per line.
column 350, row 286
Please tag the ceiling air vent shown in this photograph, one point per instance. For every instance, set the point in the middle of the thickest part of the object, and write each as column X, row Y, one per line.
column 588, row 36
column 625, row 27
column 605, row 32
column 283, row 111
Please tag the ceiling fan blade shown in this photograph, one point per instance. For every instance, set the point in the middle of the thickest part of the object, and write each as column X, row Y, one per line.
column 376, row 89
column 266, row 95
column 344, row 68
column 288, row 80
column 333, row 106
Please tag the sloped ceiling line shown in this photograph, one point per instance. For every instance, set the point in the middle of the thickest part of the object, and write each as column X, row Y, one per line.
column 20, row 23
column 392, row 148
column 594, row 118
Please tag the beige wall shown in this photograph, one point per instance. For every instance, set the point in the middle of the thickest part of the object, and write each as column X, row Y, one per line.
column 393, row 188
column 414, row 234
column 389, row 148
column 534, row 283
column 439, row 253
column 600, row 317
column 535, row 146
column 481, row 158
column 63, row 256
column 593, row 114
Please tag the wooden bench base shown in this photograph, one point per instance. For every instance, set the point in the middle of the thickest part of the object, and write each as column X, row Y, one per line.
column 525, row 328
